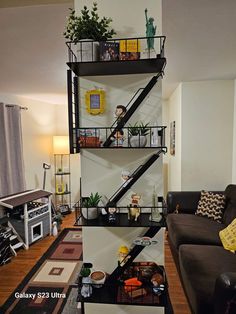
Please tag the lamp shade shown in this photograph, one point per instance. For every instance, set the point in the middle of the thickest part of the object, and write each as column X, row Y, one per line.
column 61, row 145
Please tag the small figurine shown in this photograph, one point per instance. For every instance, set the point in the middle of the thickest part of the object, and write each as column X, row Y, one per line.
column 123, row 256
column 134, row 213
column 120, row 112
column 135, row 198
column 86, row 289
column 119, row 138
column 155, row 215
column 112, row 210
column 125, row 177
column 158, row 284
column 150, row 31
column 133, row 210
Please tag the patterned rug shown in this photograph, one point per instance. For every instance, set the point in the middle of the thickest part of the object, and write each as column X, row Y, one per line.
column 51, row 286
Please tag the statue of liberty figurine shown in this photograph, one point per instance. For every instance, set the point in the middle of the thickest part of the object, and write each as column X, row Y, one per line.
column 150, row 31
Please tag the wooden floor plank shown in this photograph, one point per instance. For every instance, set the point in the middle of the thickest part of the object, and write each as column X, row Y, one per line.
column 13, row 273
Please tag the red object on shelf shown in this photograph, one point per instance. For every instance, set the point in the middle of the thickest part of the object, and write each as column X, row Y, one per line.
column 132, row 284
column 89, row 141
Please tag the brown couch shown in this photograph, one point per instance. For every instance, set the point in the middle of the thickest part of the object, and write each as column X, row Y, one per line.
column 207, row 270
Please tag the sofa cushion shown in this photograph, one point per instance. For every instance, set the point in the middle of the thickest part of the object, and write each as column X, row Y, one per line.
column 192, row 229
column 230, row 210
column 228, row 236
column 200, row 265
column 211, row 205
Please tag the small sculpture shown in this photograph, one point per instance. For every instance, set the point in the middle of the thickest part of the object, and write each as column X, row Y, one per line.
column 125, row 177
column 150, row 31
column 86, row 289
column 123, row 256
column 112, row 210
column 135, row 198
column 120, row 112
column 119, row 138
column 158, row 283
column 133, row 210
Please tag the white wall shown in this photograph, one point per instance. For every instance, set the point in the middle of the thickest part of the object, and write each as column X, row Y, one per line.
column 234, row 139
column 39, row 123
column 128, row 16
column 207, row 134
column 203, row 112
column 174, row 161
column 101, row 170
column 38, row 127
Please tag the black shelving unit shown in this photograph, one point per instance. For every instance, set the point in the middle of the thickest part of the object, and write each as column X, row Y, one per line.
column 62, row 179
column 118, row 67
column 110, row 291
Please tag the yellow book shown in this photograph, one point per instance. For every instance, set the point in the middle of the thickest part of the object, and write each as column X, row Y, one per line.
column 130, row 45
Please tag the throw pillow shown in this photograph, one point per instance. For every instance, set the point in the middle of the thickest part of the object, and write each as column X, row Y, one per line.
column 211, row 205
column 228, row 236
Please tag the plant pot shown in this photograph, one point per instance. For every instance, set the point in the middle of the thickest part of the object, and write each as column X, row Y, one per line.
column 138, row 141
column 98, row 278
column 87, row 50
column 90, row 213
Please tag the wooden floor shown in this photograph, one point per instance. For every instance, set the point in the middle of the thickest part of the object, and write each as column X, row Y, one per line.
column 14, row 272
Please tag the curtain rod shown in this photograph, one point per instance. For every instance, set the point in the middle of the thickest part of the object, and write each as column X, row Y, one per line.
column 22, row 108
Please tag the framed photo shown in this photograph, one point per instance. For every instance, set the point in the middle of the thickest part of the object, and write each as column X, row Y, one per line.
column 172, row 138
column 60, row 188
column 64, row 208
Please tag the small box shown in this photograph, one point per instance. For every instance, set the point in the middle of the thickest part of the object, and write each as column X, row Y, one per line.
column 89, row 138
column 130, row 49
column 109, row 51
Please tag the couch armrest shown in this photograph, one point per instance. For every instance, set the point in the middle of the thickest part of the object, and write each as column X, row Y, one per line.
column 183, row 202
column 225, row 293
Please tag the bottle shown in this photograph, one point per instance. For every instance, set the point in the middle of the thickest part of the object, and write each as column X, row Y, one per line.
column 155, row 214
column 154, row 197
column 154, row 136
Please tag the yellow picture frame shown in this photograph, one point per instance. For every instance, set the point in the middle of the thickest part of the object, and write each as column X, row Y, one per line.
column 95, row 101
column 60, row 188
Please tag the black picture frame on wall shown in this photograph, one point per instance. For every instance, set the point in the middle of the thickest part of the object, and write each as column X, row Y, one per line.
column 172, row 138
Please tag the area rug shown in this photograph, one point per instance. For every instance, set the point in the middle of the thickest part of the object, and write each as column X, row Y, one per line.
column 51, row 285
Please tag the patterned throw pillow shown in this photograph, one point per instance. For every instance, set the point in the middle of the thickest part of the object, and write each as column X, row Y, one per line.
column 211, row 205
column 228, row 237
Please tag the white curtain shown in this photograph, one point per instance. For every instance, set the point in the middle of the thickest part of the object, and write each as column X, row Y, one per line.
column 12, row 175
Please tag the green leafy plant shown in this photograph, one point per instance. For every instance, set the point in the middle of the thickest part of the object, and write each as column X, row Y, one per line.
column 92, row 200
column 85, row 272
column 139, row 129
column 57, row 218
column 88, row 26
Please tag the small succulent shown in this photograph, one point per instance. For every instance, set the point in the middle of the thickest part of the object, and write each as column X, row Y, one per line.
column 139, row 129
column 92, row 200
column 85, row 272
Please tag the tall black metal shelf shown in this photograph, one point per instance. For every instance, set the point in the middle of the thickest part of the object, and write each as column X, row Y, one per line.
column 77, row 69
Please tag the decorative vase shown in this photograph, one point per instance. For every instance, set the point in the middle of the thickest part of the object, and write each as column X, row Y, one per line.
column 87, row 50
column 90, row 213
column 138, row 141
column 98, row 278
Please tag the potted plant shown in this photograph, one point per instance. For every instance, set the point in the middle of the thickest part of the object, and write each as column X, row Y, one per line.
column 88, row 27
column 138, row 134
column 89, row 206
column 86, row 289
